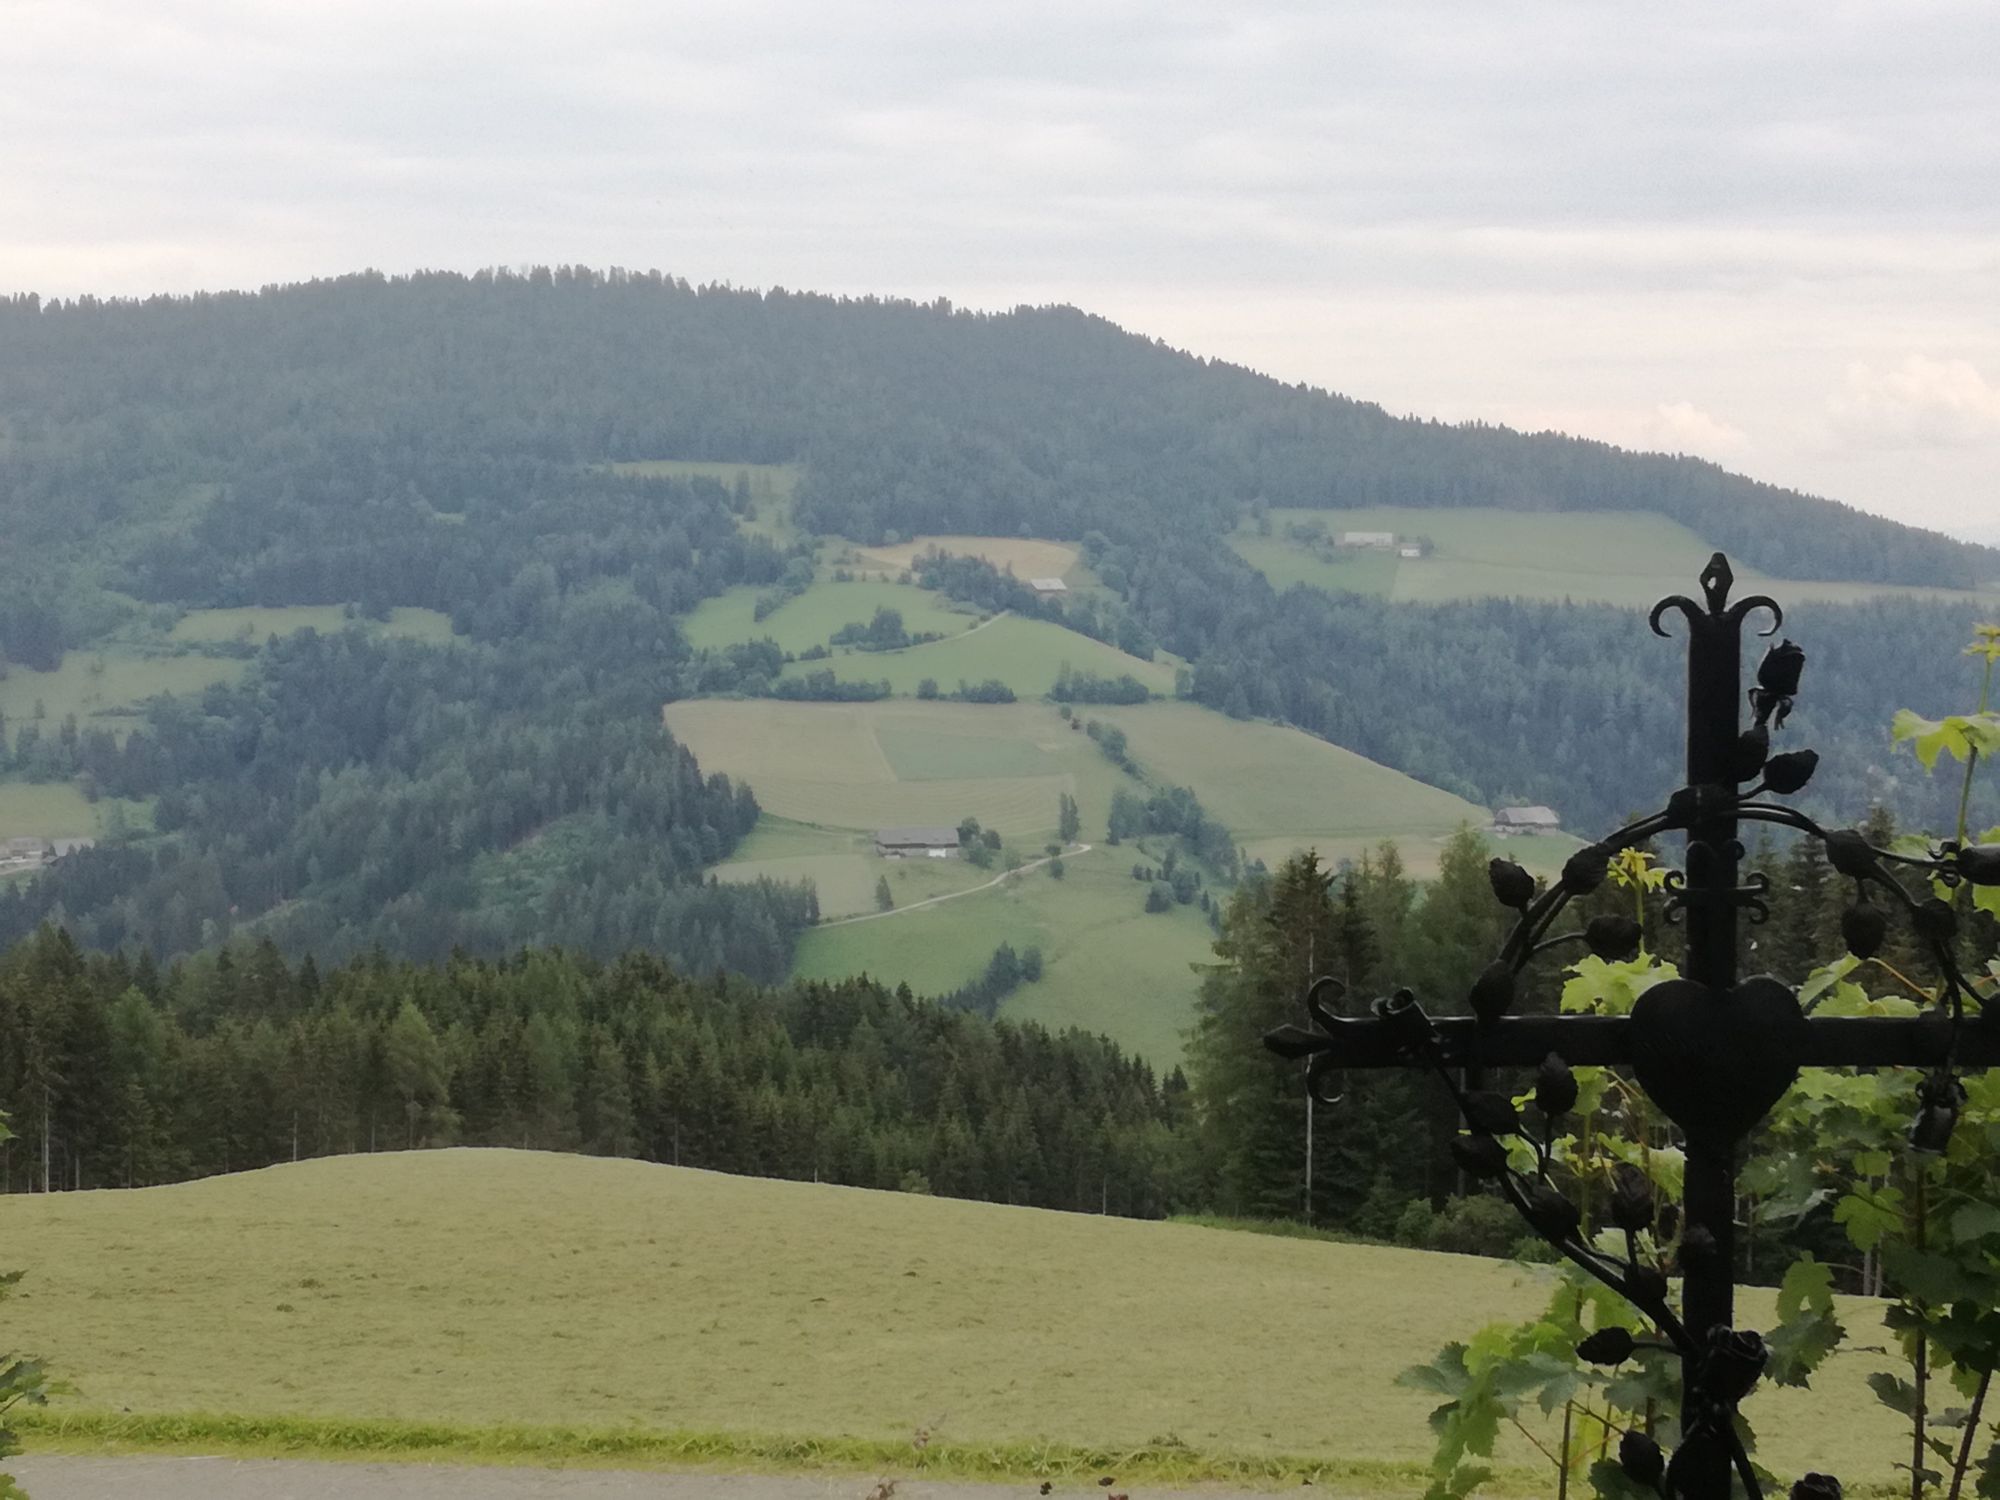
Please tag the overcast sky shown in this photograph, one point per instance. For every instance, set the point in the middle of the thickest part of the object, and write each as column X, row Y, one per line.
column 1768, row 233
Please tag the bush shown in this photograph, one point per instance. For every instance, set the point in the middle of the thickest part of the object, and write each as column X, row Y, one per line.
column 1477, row 1225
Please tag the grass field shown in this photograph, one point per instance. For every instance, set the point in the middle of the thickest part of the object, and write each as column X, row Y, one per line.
column 816, row 614
column 1109, row 965
column 500, row 1287
column 863, row 766
column 1025, row 654
column 105, row 686
column 1613, row 557
column 1029, row 557
column 258, row 622
column 57, row 810
column 827, row 774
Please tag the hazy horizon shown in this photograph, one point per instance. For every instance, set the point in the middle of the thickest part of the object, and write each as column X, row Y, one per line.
column 1771, row 239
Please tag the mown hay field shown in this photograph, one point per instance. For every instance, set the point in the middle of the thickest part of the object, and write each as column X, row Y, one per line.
column 104, row 689
column 1109, row 965
column 1612, row 557
column 811, row 619
column 828, row 774
column 58, row 810
column 1028, row 557
column 1025, row 654
column 487, row 1287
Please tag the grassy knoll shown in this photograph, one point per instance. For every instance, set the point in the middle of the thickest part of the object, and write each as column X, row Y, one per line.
column 1109, row 965
column 1025, row 654
column 1616, row 557
column 815, row 615
column 57, row 810
column 1029, row 557
column 105, row 686
column 479, row 1288
column 258, row 622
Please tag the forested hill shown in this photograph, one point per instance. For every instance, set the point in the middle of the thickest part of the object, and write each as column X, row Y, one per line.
column 908, row 418
column 444, row 444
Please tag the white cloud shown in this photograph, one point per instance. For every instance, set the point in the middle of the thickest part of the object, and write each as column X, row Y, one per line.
column 1683, row 427
column 1921, row 402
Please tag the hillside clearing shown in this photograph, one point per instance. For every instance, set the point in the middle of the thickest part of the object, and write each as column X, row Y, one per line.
column 1027, row 557
column 1025, row 654
column 481, row 1286
column 828, row 774
column 57, row 810
column 1628, row 558
column 810, row 619
column 104, row 689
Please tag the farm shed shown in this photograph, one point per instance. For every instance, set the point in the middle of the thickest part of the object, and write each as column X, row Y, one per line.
column 916, row 843
column 1383, row 539
column 1526, row 820
column 1048, row 585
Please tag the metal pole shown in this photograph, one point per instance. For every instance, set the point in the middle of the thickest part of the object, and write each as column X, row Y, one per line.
column 1715, row 688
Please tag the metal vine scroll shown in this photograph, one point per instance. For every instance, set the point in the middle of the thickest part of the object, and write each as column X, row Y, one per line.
column 1712, row 1051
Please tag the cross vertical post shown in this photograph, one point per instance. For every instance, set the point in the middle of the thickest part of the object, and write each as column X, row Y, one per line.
column 1712, row 1051
column 1714, row 696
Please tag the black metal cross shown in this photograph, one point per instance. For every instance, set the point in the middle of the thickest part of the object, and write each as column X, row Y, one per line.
column 1712, row 1052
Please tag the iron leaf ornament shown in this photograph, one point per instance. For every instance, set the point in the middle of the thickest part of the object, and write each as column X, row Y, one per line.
column 1712, row 1050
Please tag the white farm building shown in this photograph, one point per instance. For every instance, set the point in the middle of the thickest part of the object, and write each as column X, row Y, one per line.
column 917, row 843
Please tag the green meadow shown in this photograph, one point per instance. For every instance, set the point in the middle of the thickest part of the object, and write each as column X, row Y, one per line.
column 105, row 686
column 57, row 810
column 811, row 618
column 1614, row 557
column 1025, row 654
column 495, row 1288
column 1109, row 965
column 828, row 774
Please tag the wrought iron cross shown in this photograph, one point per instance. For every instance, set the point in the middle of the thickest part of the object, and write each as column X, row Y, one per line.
column 1712, row 1052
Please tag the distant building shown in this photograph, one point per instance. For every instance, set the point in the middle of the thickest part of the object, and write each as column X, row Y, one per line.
column 33, row 852
column 1048, row 585
column 1409, row 549
column 1382, row 539
column 917, row 843
column 1526, row 820
column 59, row 847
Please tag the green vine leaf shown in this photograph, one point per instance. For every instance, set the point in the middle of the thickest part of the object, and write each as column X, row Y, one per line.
column 1956, row 735
column 1807, row 1329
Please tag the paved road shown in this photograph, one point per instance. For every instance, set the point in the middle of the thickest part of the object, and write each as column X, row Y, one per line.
column 54, row 1478
column 972, row 890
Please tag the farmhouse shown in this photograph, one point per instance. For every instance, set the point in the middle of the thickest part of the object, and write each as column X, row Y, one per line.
column 1048, row 585
column 916, row 843
column 1526, row 820
column 25, row 853
column 1409, row 549
column 1382, row 539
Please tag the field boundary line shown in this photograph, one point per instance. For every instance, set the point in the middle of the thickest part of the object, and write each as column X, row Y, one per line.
column 377, row 1440
column 971, row 890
